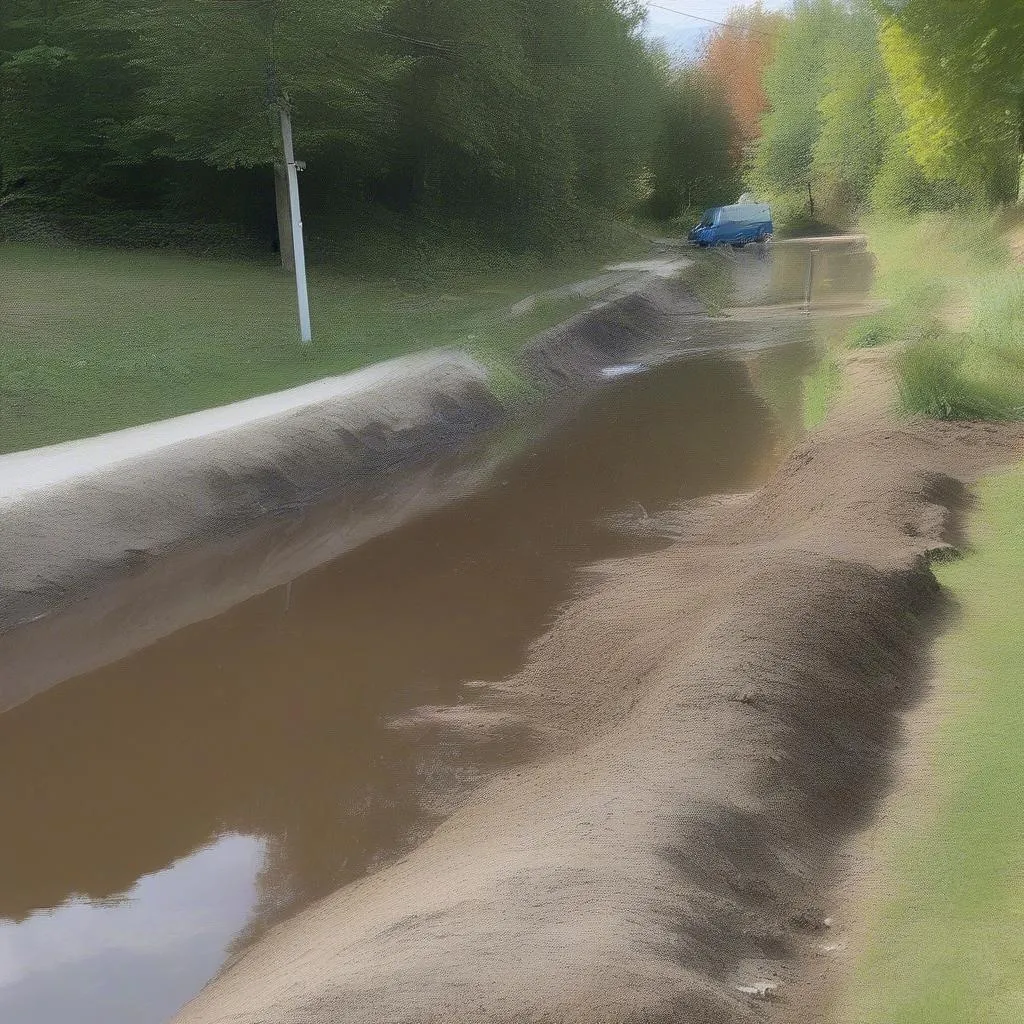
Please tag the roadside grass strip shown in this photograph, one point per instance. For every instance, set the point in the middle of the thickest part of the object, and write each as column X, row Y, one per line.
column 821, row 390
column 93, row 340
column 947, row 944
column 954, row 310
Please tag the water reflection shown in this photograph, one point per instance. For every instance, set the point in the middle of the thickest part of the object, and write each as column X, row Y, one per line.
column 130, row 958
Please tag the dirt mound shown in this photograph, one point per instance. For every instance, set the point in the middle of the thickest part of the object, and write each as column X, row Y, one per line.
column 62, row 540
column 717, row 719
column 576, row 351
column 68, row 532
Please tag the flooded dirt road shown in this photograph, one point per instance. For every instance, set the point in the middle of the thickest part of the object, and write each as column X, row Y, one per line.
column 163, row 810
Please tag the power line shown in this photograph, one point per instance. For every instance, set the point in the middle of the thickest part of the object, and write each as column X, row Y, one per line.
column 708, row 21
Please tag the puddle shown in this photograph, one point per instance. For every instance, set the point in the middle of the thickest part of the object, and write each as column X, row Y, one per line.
column 112, row 956
column 161, row 811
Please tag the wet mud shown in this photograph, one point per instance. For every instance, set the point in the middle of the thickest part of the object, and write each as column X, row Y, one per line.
column 714, row 721
column 243, row 729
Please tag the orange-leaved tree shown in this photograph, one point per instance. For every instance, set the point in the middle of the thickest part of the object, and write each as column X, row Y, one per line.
column 735, row 55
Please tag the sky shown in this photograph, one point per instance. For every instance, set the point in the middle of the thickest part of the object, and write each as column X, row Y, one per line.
column 684, row 33
column 134, row 957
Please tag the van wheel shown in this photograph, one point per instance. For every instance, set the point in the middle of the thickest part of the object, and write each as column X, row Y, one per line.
column 738, row 245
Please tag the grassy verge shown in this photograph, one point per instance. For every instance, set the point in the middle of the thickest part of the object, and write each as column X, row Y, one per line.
column 93, row 340
column 947, row 946
column 955, row 308
column 821, row 389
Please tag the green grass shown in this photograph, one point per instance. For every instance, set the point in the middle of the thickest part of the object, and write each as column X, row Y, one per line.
column 952, row 376
column 93, row 340
column 955, row 307
column 821, row 389
column 904, row 323
column 947, row 945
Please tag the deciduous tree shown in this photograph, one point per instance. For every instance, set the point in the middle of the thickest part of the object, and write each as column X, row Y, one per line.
column 693, row 165
column 958, row 73
column 736, row 55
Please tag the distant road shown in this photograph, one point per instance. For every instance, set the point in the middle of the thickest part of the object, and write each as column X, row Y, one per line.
column 820, row 239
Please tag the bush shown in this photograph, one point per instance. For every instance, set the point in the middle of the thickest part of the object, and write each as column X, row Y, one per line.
column 792, row 216
column 131, row 230
column 908, row 323
column 951, row 377
column 872, row 332
column 955, row 305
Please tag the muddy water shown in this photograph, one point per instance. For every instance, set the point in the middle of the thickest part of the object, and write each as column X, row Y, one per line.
column 161, row 811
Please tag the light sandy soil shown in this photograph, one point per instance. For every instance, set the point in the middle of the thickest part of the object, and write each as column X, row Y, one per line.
column 28, row 472
column 81, row 514
column 717, row 722
column 1015, row 238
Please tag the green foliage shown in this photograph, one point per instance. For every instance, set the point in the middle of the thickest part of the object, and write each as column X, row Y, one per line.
column 954, row 377
column 215, row 69
column 692, row 165
column 67, row 84
column 955, row 309
column 958, row 71
column 848, row 150
column 821, row 389
column 955, row 136
column 507, row 111
column 900, row 184
column 932, row 264
column 830, row 126
column 871, row 332
column 905, row 107
column 527, row 117
column 794, row 83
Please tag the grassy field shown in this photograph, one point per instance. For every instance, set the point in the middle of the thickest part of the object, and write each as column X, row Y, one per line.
column 93, row 340
column 955, row 309
column 947, row 946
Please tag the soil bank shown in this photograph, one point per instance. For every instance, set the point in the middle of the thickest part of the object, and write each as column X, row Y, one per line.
column 291, row 744
column 81, row 514
column 715, row 722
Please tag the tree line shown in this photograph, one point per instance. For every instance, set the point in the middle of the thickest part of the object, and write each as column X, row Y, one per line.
column 878, row 104
column 523, row 117
column 522, row 121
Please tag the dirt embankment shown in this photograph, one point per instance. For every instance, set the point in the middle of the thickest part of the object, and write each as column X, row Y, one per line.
column 81, row 514
column 574, row 353
column 85, row 513
column 717, row 720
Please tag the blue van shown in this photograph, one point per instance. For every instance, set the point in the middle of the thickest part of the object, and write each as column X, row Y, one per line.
column 734, row 225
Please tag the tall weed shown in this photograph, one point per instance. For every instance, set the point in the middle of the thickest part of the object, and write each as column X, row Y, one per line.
column 955, row 307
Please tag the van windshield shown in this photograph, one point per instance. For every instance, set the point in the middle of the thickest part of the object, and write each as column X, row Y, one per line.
column 708, row 219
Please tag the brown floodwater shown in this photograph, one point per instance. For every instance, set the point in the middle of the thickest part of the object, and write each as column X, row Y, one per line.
column 161, row 810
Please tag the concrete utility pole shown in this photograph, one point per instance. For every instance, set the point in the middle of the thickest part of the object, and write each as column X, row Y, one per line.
column 809, row 280
column 298, row 247
column 283, row 213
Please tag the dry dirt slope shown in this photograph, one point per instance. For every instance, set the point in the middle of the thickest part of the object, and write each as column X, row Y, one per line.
column 717, row 719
